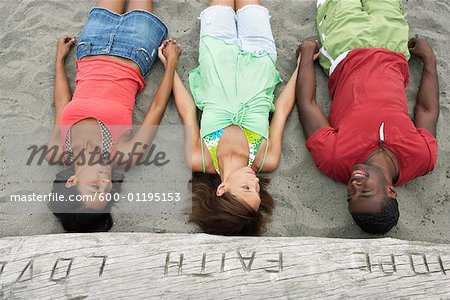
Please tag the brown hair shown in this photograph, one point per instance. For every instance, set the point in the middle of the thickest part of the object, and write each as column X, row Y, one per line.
column 226, row 215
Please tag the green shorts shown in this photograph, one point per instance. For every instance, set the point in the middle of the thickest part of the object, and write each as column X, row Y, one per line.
column 345, row 25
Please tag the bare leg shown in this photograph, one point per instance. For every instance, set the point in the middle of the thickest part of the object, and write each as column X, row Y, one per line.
column 223, row 2
column 241, row 3
column 140, row 4
column 117, row 6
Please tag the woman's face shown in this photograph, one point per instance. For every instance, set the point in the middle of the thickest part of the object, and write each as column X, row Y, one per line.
column 244, row 185
column 93, row 180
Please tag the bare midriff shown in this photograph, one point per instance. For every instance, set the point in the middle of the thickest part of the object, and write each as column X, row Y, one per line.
column 126, row 61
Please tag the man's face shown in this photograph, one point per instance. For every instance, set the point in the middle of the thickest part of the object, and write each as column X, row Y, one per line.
column 366, row 190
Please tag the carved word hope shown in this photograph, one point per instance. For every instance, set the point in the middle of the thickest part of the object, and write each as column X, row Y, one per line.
column 389, row 264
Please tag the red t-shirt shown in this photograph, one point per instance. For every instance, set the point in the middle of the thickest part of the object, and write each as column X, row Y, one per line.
column 369, row 109
column 105, row 90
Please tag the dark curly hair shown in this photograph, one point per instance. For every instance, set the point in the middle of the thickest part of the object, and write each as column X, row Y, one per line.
column 381, row 222
column 227, row 215
column 72, row 215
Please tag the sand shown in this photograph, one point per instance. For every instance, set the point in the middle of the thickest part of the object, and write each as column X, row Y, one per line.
column 308, row 203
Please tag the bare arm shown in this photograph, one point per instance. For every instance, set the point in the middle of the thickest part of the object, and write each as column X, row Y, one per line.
column 188, row 114
column 143, row 137
column 310, row 114
column 62, row 94
column 426, row 110
column 283, row 107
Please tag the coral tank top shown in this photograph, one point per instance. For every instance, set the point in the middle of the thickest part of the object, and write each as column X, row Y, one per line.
column 105, row 90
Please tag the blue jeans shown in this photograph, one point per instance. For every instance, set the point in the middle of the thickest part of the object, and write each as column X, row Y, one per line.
column 134, row 35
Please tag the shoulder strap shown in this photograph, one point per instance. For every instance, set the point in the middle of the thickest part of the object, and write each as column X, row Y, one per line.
column 68, row 144
column 203, row 157
column 264, row 157
column 107, row 141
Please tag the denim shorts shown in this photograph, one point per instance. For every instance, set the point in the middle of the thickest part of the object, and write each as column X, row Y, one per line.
column 134, row 35
column 249, row 27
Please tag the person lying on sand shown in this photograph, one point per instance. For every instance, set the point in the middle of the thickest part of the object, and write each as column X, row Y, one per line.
column 115, row 51
column 234, row 88
column 368, row 141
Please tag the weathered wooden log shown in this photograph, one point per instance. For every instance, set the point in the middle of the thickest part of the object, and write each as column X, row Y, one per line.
column 143, row 266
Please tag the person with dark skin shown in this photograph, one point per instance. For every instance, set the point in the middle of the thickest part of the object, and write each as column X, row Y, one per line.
column 368, row 141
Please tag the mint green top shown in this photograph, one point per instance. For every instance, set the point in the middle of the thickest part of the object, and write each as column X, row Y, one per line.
column 233, row 87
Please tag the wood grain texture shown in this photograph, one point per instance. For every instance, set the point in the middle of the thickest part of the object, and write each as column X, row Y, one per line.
column 168, row 266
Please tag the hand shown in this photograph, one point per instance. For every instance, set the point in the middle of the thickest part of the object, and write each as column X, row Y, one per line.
column 63, row 46
column 308, row 47
column 169, row 52
column 421, row 48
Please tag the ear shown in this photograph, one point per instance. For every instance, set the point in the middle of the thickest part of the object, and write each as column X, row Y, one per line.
column 72, row 181
column 392, row 193
column 220, row 189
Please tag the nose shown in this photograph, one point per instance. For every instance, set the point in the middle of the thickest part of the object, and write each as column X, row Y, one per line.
column 354, row 187
column 250, row 170
column 356, row 182
column 102, row 183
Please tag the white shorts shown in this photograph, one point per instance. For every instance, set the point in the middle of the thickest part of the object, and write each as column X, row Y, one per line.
column 249, row 27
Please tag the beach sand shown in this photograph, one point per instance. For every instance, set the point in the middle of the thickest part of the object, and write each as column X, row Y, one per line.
column 308, row 203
